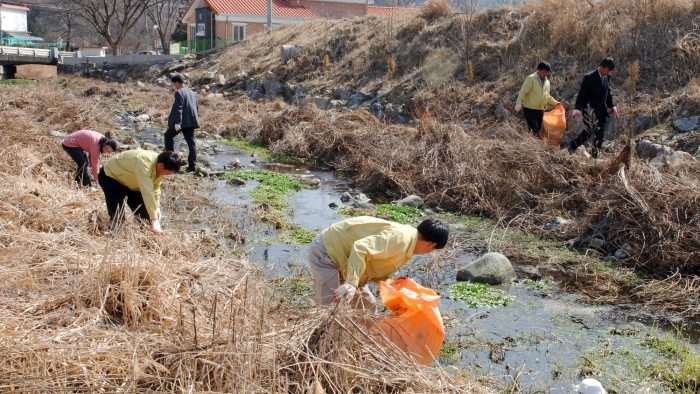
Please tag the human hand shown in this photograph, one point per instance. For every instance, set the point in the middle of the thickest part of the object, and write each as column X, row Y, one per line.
column 575, row 114
column 518, row 108
column 178, row 127
column 155, row 227
column 345, row 292
column 614, row 111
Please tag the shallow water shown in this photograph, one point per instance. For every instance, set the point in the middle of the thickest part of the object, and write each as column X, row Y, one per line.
column 540, row 338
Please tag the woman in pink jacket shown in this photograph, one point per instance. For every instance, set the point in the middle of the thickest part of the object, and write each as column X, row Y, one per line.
column 92, row 142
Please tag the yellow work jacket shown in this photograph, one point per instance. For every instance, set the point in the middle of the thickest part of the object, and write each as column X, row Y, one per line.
column 535, row 95
column 368, row 249
column 136, row 169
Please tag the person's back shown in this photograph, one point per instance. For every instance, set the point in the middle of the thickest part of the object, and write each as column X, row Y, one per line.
column 127, row 167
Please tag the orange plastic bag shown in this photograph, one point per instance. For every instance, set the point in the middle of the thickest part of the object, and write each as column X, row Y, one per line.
column 416, row 326
column 554, row 125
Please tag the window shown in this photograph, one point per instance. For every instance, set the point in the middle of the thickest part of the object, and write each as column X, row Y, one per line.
column 201, row 29
column 193, row 32
column 238, row 33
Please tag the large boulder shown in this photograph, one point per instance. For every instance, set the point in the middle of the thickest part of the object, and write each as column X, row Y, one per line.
column 685, row 125
column 412, row 201
column 271, row 86
column 492, row 268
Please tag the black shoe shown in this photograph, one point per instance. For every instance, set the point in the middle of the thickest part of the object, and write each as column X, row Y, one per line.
column 190, row 169
column 594, row 152
column 570, row 150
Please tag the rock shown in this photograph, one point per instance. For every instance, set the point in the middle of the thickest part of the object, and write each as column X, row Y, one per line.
column 270, row 75
column 346, row 197
column 361, row 198
column 256, row 95
column 140, row 84
column 221, row 80
column 120, row 74
column 254, row 161
column 376, row 109
column 299, row 100
column 322, row 103
column 674, row 159
column 620, row 254
column 313, row 182
column 56, row 133
column 685, row 125
column 149, row 146
column 530, row 272
column 204, row 161
column 300, row 91
column 209, row 76
column 336, row 104
column 240, row 85
column 364, row 205
column 596, row 243
column 641, row 123
column 271, row 86
column 582, row 152
column 142, row 118
column 610, row 259
column 333, row 205
column 254, row 85
column 649, row 150
column 288, row 90
column 288, row 52
column 359, row 98
column 480, row 110
column 201, row 171
column 242, row 75
column 342, row 94
column 412, row 201
column 235, row 163
column 214, row 89
column 500, row 113
column 557, row 223
column 264, row 207
column 492, row 268
column 236, row 182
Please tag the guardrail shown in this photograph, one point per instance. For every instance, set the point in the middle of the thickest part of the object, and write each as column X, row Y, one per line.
column 36, row 52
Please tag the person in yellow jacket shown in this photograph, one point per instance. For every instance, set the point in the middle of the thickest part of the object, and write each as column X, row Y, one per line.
column 136, row 175
column 352, row 252
column 534, row 96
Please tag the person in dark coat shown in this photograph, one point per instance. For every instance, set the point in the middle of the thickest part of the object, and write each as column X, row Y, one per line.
column 183, row 118
column 595, row 91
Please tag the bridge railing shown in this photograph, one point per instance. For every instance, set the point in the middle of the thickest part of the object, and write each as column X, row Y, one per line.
column 25, row 51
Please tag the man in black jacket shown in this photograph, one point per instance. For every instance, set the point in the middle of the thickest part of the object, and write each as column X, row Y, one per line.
column 595, row 91
column 183, row 117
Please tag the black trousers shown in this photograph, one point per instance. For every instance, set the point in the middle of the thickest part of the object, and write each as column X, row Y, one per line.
column 116, row 193
column 188, row 133
column 80, row 158
column 598, row 130
column 534, row 117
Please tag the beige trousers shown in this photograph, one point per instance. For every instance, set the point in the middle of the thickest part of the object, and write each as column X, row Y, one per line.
column 327, row 279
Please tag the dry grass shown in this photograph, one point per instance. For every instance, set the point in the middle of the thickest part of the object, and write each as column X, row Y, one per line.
column 82, row 310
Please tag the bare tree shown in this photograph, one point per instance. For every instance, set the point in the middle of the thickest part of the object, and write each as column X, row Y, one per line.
column 165, row 14
column 67, row 16
column 111, row 19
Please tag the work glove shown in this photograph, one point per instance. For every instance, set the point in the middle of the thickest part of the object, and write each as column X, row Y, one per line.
column 158, row 214
column 155, row 227
column 575, row 114
column 178, row 127
column 614, row 111
column 345, row 292
column 518, row 108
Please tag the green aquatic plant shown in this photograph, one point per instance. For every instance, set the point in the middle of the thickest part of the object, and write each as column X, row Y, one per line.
column 479, row 295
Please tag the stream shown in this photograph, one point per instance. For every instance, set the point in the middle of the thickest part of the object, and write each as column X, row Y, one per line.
column 544, row 338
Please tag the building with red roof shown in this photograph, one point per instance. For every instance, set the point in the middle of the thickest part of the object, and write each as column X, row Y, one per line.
column 234, row 20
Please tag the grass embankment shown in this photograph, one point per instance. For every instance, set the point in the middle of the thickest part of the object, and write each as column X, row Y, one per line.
column 81, row 310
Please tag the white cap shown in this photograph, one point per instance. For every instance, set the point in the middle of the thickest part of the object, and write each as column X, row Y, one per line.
column 590, row 386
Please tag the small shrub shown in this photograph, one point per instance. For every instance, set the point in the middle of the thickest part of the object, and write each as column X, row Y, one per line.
column 435, row 9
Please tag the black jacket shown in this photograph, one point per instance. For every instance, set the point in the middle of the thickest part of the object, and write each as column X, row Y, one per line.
column 595, row 90
column 184, row 111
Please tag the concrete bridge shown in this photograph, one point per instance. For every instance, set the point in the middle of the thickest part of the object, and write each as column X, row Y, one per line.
column 11, row 57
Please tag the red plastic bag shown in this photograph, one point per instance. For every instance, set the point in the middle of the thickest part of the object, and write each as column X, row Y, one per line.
column 554, row 125
column 416, row 326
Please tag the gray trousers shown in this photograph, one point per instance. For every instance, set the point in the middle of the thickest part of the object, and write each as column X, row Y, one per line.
column 327, row 279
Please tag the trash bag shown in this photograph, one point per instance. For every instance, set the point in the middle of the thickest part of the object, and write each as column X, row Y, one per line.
column 416, row 326
column 554, row 125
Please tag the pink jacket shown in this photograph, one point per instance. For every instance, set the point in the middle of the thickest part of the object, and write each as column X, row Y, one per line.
column 88, row 141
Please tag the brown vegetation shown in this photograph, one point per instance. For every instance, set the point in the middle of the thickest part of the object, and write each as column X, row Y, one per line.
column 84, row 310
